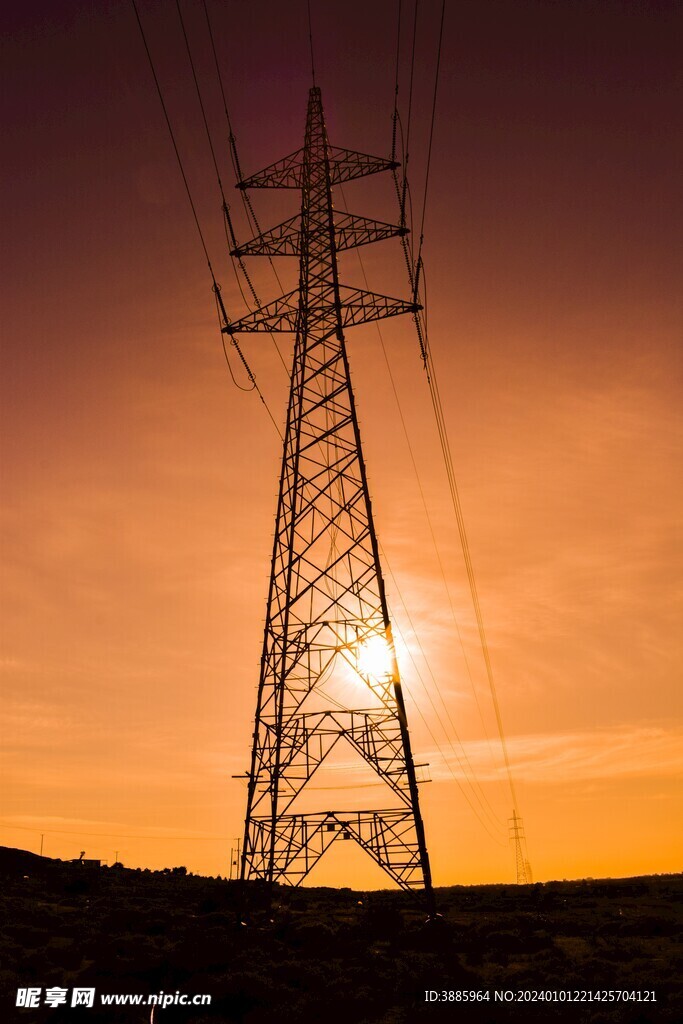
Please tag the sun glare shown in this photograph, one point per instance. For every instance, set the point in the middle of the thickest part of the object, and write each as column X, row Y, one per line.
column 374, row 658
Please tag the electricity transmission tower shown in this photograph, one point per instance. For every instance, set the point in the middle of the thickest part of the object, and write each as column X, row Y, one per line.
column 329, row 673
column 519, row 839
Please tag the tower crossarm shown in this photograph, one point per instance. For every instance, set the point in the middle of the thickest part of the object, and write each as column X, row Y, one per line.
column 358, row 307
column 350, row 230
column 279, row 315
column 345, row 165
column 282, row 240
column 284, row 173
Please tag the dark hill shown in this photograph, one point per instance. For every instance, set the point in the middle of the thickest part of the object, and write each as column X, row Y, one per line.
column 582, row 950
column 19, row 862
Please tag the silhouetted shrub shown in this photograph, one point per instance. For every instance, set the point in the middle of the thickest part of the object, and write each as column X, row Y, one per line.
column 77, row 885
column 382, row 922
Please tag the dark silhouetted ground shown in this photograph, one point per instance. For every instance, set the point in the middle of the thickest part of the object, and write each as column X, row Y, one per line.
column 333, row 955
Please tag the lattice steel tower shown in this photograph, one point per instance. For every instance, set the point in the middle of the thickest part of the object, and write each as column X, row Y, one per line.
column 524, row 876
column 329, row 673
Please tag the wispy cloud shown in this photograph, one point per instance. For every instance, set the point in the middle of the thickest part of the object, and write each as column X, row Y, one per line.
column 619, row 752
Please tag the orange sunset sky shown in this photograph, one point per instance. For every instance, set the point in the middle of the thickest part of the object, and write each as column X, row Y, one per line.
column 139, row 485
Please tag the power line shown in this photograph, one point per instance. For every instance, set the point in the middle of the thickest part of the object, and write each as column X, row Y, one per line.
column 428, row 362
column 216, row 286
column 437, row 406
column 229, row 232
column 457, row 507
column 429, row 729
column 199, row 97
column 406, row 155
column 424, row 505
column 491, row 812
column 398, row 58
column 231, row 137
column 246, row 200
column 173, row 140
column 431, row 129
column 227, row 357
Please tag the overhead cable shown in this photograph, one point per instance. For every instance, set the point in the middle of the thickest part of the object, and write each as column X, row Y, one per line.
column 246, row 199
column 428, row 363
column 215, row 285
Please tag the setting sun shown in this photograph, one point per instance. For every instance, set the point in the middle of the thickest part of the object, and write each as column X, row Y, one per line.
column 374, row 658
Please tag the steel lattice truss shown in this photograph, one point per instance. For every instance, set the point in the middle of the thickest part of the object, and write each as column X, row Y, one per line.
column 326, row 604
column 519, row 839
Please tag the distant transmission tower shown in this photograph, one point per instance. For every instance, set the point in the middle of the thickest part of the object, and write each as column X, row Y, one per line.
column 518, row 838
column 329, row 673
